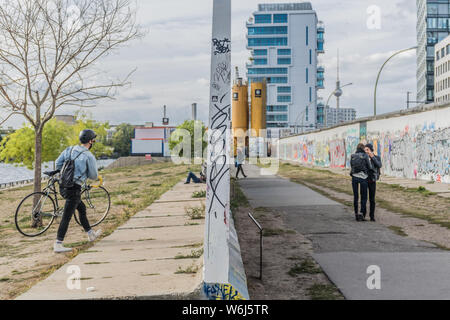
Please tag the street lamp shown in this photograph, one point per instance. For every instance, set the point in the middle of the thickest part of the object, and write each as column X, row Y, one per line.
column 379, row 73
column 328, row 101
column 302, row 114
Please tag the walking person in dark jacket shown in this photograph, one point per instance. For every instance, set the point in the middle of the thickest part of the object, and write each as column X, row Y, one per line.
column 361, row 168
column 239, row 161
column 374, row 176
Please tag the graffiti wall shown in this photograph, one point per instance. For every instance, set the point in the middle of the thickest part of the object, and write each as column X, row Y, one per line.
column 415, row 145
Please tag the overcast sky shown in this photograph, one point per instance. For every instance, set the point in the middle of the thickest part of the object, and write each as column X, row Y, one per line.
column 173, row 62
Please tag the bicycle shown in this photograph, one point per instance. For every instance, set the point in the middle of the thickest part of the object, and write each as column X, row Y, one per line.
column 37, row 211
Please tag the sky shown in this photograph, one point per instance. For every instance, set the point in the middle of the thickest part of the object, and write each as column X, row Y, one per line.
column 172, row 61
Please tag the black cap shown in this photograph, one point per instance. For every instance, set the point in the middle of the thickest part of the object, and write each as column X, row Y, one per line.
column 370, row 146
column 87, row 135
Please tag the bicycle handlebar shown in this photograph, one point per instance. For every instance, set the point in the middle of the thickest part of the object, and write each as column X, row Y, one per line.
column 100, row 179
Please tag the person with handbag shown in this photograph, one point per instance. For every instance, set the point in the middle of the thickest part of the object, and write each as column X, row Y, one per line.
column 361, row 167
column 374, row 176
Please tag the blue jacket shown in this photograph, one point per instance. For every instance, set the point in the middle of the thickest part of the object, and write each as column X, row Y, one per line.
column 85, row 164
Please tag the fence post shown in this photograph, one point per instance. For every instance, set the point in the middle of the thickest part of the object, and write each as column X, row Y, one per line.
column 260, row 245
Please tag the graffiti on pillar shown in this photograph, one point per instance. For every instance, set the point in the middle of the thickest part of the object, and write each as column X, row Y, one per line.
column 224, row 292
column 221, row 46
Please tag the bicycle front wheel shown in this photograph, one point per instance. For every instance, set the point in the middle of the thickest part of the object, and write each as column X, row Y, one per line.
column 35, row 214
column 98, row 203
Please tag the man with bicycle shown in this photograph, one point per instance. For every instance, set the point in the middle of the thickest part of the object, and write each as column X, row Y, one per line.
column 85, row 167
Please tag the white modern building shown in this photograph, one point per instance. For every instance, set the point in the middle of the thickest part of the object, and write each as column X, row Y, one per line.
column 442, row 71
column 337, row 116
column 285, row 40
column 432, row 27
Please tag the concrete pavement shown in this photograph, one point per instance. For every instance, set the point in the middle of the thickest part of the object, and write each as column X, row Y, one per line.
column 345, row 249
column 137, row 261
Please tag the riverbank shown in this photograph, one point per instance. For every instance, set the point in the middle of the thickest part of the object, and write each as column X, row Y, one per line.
column 26, row 261
column 10, row 173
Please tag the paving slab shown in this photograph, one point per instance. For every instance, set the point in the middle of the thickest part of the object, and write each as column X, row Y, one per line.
column 140, row 260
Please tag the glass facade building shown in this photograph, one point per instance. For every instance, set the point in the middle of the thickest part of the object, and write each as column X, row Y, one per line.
column 433, row 25
column 285, row 40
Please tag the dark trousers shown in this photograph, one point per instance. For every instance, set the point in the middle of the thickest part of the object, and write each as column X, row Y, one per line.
column 372, row 193
column 193, row 177
column 240, row 169
column 73, row 202
column 362, row 185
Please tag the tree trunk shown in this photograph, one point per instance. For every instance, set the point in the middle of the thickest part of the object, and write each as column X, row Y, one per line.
column 37, row 171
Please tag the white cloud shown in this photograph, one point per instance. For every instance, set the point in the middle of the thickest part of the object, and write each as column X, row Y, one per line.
column 173, row 63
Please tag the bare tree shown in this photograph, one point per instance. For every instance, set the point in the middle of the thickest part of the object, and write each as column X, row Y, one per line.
column 49, row 50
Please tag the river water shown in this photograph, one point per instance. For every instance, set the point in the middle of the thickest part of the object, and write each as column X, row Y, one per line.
column 10, row 173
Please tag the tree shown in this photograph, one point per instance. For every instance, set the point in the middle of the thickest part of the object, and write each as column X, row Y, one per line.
column 121, row 140
column 18, row 147
column 48, row 53
column 188, row 131
column 100, row 149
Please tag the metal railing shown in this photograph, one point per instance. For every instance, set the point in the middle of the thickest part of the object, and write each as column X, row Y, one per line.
column 19, row 183
column 260, row 245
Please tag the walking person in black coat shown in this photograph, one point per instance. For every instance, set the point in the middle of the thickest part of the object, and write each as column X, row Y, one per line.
column 361, row 168
column 374, row 176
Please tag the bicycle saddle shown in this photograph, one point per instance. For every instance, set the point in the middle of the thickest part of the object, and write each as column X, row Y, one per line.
column 52, row 173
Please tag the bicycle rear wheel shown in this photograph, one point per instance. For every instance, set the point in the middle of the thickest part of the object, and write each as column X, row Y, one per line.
column 98, row 203
column 35, row 214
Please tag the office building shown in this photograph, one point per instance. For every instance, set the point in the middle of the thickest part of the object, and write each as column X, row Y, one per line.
column 285, row 40
column 337, row 116
column 432, row 27
column 442, row 71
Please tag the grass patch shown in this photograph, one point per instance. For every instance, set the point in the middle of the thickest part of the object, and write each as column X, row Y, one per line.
column 398, row 231
column 199, row 194
column 192, row 269
column 156, row 174
column 138, row 260
column 123, row 202
column 149, row 239
column 324, row 292
column 441, row 246
column 195, row 254
column 306, row 267
column 196, row 213
column 76, row 244
column 273, row 232
column 5, row 279
column 194, row 245
column 238, row 198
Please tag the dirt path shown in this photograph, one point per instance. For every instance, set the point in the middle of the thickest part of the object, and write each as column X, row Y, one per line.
column 289, row 272
column 26, row 261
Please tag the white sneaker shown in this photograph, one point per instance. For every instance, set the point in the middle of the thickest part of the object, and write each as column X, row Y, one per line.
column 93, row 235
column 59, row 248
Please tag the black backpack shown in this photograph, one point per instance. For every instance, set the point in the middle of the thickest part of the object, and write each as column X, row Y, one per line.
column 66, row 179
column 358, row 163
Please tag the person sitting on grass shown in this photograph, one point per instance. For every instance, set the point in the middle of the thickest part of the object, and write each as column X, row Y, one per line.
column 193, row 177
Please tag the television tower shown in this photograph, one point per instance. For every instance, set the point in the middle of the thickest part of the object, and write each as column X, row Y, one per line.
column 338, row 92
